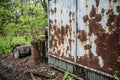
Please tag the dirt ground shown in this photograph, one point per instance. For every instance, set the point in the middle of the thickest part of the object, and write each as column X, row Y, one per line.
column 16, row 69
column 20, row 69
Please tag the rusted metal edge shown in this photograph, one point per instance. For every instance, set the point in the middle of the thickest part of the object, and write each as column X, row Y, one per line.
column 69, row 73
column 103, row 73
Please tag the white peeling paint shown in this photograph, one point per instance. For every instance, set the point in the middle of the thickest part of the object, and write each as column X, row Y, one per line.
column 100, row 61
column 93, row 49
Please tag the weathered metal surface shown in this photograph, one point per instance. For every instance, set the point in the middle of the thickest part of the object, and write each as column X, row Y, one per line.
column 81, row 71
column 98, row 34
column 62, row 25
column 94, row 25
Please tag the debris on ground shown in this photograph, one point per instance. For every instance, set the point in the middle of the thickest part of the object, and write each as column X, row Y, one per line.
column 13, row 69
column 25, row 69
column 44, row 72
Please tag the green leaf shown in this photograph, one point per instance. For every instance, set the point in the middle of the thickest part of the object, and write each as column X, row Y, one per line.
column 65, row 75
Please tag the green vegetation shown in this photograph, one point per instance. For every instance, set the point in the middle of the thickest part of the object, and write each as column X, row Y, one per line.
column 67, row 76
column 5, row 45
column 21, row 21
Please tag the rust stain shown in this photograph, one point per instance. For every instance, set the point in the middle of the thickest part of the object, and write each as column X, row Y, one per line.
column 109, row 11
column 50, row 21
column 70, row 14
column 111, row 20
column 54, row 49
column 52, row 11
column 58, row 52
column 71, row 58
column 70, row 42
column 93, row 12
column 63, row 30
column 97, row 3
column 70, row 20
column 98, row 17
column 86, row 6
column 58, row 38
column 95, row 28
column 107, row 45
column 55, row 9
column 68, row 48
column 87, row 47
column 85, row 18
column 55, row 21
column 82, row 35
column 62, row 55
column 103, row 10
column 85, row 60
column 73, row 20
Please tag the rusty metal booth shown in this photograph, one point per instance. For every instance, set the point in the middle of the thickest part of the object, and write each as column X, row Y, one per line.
column 84, row 37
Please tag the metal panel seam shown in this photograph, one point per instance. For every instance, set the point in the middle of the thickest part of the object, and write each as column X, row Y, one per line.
column 48, row 27
column 76, row 33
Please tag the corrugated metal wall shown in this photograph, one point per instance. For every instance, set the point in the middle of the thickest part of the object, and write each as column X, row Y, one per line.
column 86, row 32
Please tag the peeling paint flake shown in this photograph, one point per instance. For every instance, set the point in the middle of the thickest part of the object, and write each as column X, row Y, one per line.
column 93, row 49
column 100, row 61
